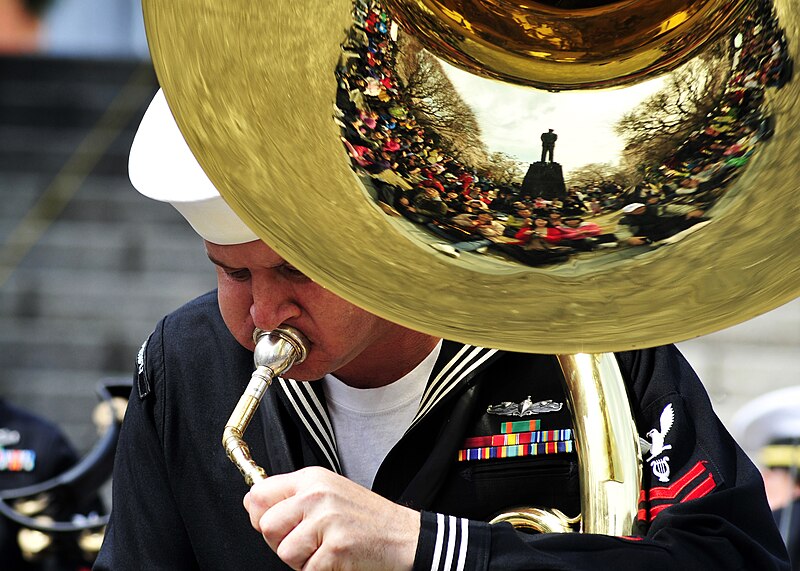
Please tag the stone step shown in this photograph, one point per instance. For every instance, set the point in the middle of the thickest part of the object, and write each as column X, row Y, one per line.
column 92, row 294
column 34, row 68
column 153, row 223
column 125, row 246
column 50, row 152
column 106, row 155
column 69, row 93
column 51, row 140
column 94, row 347
column 119, row 204
column 57, row 93
column 122, row 250
column 20, row 191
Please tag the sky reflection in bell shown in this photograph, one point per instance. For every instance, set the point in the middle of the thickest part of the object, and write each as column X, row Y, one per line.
column 512, row 118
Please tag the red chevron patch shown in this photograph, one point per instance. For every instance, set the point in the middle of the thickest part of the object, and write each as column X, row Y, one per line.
column 696, row 483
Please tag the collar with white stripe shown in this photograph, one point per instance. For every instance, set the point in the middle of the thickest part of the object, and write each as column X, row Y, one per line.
column 456, row 365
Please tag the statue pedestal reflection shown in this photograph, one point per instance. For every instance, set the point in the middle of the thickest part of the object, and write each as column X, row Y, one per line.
column 545, row 180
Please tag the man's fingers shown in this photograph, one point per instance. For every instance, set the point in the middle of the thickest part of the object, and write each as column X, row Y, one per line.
column 279, row 504
column 265, row 494
column 277, row 523
column 299, row 546
column 316, row 520
column 323, row 558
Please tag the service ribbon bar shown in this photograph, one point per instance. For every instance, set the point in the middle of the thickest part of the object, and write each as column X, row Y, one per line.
column 489, row 452
column 520, row 426
column 17, row 460
column 534, row 437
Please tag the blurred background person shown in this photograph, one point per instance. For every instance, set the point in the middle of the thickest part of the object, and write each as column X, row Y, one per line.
column 33, row 450
column 74, row 251
column 21, row 25
column 73, row 28
column 768, row 428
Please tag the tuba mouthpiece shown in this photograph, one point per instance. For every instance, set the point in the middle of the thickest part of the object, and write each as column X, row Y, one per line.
column 279, row 349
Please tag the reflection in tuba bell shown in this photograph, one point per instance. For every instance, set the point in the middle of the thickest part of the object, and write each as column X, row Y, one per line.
column 708, row 103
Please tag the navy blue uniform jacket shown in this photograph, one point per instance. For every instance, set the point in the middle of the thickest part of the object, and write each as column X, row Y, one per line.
column 177, row 500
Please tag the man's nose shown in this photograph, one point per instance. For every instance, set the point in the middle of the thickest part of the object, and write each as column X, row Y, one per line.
column 273, row 302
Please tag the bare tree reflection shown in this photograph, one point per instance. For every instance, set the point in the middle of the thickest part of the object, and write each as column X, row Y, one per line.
column 418, row 147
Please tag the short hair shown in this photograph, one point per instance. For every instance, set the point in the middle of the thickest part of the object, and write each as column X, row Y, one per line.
column 36, row 7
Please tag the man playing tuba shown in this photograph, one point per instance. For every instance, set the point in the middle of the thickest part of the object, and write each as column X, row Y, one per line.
column 386, row 448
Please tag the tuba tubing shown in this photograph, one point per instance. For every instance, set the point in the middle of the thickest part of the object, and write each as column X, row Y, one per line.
column 232, row 436
column 606, row 441
column 608, row 452
column 275, row 352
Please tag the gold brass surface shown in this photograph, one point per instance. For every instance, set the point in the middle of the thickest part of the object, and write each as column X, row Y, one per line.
column 233, row 434
column 548, row 47
column 90, row 542
column 538, row 520
column 33, row 506
column 606, row 443
column 253, row 92
column 780, row 455
column 32, row 543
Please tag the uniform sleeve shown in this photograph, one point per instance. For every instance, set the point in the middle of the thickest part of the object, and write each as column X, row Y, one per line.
column 144, row 512
column 703, row 504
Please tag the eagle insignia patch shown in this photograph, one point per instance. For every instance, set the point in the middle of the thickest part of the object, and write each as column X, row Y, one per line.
column 657, row 444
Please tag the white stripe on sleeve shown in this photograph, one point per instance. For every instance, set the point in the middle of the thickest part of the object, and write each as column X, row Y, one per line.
column 462, row 551
column 437, row 551
column 451, row 543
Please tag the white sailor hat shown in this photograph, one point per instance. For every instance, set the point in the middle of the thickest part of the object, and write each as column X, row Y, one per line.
column 768, row 428
column 628, row 208
column 161, row 166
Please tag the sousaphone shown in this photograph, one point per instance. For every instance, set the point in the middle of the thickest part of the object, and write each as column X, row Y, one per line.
column 270, row 96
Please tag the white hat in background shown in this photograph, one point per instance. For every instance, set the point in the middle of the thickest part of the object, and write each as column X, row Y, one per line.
column 766, row 422
column 628, row 208
column 162, row 167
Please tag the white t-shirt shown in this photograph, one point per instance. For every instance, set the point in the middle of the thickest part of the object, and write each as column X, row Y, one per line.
column 367, row 423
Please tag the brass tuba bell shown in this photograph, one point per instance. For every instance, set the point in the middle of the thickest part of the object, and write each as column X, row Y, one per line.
column 259, row 94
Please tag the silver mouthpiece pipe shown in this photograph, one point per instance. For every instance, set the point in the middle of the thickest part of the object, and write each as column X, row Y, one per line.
column 275, row 352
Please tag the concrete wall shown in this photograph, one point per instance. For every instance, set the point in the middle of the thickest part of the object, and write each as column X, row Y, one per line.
column 748, row 360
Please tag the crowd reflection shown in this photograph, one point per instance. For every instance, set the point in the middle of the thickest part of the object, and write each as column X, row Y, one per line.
column 411, row 174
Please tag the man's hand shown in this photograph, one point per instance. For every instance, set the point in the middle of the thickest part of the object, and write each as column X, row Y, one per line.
column 315, row 519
